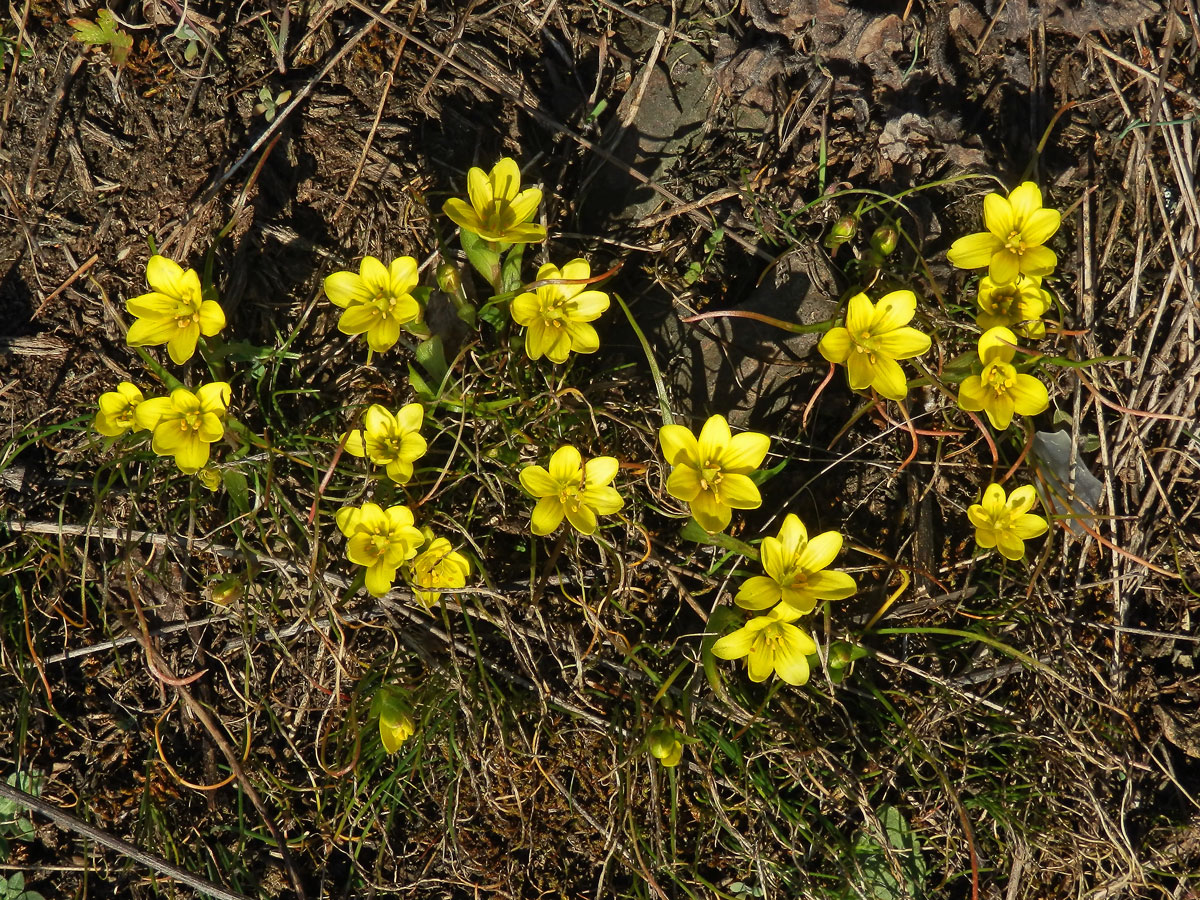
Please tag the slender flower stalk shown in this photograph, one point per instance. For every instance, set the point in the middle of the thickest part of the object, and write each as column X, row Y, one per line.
column 797, row 571
column 571, row 488
column 1000, row 390
column 874, row 337
column 498, row 211
column 1017, row 228
column 390, row 440
column 175, row 313
column 185, row 424
column 712, row 473
column 1006, row 523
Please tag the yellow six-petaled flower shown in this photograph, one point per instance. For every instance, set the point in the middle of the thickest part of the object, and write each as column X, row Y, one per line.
column 797, row 574
column 1000, row 390
column 379, row 539
column 874, row 337
column 1006, row 523
column 770, row 643
column 437, row 567
column 580, row 491
column 390, row 440
column 377, row 300
column 185, row 423
column 1017, row 228
column 499, row 211
column 1018, row 305
column 175, row 313
column 556, row 316
column 712, row 473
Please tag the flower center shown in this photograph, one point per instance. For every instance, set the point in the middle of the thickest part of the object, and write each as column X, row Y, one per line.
column 710, row 476
column 190, row 422
column 1002, row 302
column 1000, row 377
column 1015, row 242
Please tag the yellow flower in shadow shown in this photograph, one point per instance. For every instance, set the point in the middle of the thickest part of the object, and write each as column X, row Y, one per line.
column 874, row 337
column 571, row 488
column 1000, row 390
column 1017, row 227
column 770, row 643
column 556, row 316
column 1006, row 524
column 499, row 210
column 390, row 440
column 184, row 424
column 377, row 300
column 175, row 313
column 797, row 571
column 712, row 473
column 1018, row 305
column 435, row 568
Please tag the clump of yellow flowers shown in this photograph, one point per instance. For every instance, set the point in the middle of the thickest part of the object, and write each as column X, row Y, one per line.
column 556, row 315
column 390, row 440
column 572, row 488
column 874, row 337
column 797, row 578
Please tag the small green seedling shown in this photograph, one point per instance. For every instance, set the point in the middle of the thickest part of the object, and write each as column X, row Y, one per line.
column 269, row 105
column 104, row 33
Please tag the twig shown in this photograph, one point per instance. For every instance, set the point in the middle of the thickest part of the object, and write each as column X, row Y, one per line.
column 150, row 860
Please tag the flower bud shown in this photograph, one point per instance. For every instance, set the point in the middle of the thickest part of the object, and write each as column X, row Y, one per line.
column 449, row 280
column 842, row 231
column 884, row 239
column 665, row 746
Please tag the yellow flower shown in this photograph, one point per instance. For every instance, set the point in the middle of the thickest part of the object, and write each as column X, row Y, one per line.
column 378, row 300
column 390, row 440
column 1000, row 390
column 713, row 473
column 395, row 724
column 770, row 643
column 380, row 540
column 1017, row 227
column 184, row 424
column 578, row 490
column 796, row 571
column 557, row 315
column 1006, row 525
column 665, row 746
column 874, row 337
column 174, row 313
column 116, row 410
column 436, row 567
column 499, row 210
column 1018, row 304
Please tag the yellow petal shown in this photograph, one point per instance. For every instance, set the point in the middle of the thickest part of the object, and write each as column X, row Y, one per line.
column 374, row 276
column 600, row 470
column 997, row 344
column 166, row 277
column 714, row 438
column 547, row 515
column 150, row 332
column 1021, row 500
column 999, row 410
column 524, row 206
column 860, row 314
column 998, row 216
column 893, row 311
column 589, row 305
column 1040, row 226
column 1029, row 526
column 791, row 662
column 1029, row 396
column 461, row 214
column 354, row 444
column 380, row 578
column 861, row 371
column 505, row 179
column 525, row 308
column 1005, row 266
column 537, row 482
column 346, row 289
column 678, row 444
column 603, row 500
column 903, row 343
column 684, row 483
column 1038, row 261
column 191, row 457
column 836, row 345
column 479, row 189
column 213, row 397
column 582, row 519
column 832, row 585
column 971, row 394
column 382, row 336
column 745, row 452
column 212, row 318
column 739, row 492
column 889, row 379
column 1026, row 199
column 710, row 514
column 566, row 465
column 973, row 251
column 402, row 276
column 183, row 344
column 582, row 338
column 821, row 551
column 758, row 592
